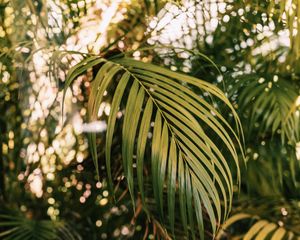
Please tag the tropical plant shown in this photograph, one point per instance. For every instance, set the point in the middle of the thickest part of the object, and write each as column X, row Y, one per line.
column 167, row 149
column 184, row 162
column 254, row 222
column 16, row 226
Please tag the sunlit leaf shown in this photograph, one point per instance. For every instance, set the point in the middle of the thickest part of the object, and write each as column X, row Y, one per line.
column 185, row 163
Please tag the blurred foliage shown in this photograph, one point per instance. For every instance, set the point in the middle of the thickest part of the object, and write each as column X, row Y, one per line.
column 49, row 188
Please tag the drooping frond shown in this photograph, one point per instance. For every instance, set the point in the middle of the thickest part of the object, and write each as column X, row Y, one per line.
column 14, row 226
column 280, row 162
column 179, row 127
column 259, row 228
column 271, row 105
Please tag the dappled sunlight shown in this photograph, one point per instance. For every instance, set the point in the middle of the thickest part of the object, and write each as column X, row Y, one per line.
column 43, row 100
column 124, row 119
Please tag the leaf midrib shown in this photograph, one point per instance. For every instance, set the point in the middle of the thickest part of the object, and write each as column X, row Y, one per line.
column 156, row 104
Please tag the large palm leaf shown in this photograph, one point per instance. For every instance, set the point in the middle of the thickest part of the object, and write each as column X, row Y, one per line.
column 185, row 161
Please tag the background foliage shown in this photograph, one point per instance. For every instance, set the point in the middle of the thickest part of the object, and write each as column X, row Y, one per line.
column 49, row 188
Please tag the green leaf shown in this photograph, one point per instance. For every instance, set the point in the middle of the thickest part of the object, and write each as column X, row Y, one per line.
column 266, row 231
column 141, row 146
column 133, row 110
column 111, row 124
column 255, row 229
column 172, row 173
column 19, row 227
column 271, row 105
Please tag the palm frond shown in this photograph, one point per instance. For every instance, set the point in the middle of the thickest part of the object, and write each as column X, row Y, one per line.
column 14, row 226
column 185, row 160
column 280, row 162
column 270, row 105
column 259, row 228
